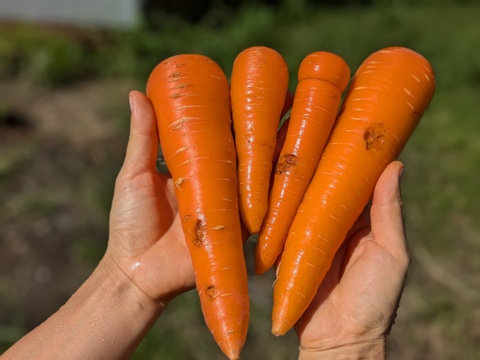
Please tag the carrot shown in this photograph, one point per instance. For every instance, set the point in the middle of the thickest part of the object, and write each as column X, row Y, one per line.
column 282, row 131
column 190, row 96
column 322, row 78
column 258, row 89
column 387, row 97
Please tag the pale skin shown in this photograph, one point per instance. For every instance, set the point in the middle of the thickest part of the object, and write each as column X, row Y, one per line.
column 147, row 264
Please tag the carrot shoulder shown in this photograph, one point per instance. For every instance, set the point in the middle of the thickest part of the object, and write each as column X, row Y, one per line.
column 190, row 96
column 322, row 76
column 259, row 85
column 387, row 97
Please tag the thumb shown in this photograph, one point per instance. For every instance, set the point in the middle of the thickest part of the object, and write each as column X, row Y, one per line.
column 386, row 214
column 142, row 148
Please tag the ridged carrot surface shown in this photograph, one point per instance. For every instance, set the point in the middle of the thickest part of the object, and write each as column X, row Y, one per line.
column 322, row 78
column 259, row 84
column 386, row 99
column 190, row 95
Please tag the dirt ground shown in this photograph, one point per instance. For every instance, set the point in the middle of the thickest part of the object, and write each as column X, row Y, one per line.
column 60, row 151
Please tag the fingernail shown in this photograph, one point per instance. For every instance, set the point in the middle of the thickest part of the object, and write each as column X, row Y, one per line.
column 400, row 173
column 132, row 103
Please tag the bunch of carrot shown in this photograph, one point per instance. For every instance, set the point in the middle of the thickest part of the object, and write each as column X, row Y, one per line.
column 301, row 191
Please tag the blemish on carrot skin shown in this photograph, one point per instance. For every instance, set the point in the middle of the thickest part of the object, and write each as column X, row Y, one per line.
column 264, row 145
column 179, row 181
column 199, row 231
column 180, row 86
column 414, row 111
column 375, row 137
column 417, row 79
column 186, row 218
column 175, row 74
column 219, row 227
column 408, row 92
column 178, row 124
column 210, row 292
column 285, row 162
column 182, row 149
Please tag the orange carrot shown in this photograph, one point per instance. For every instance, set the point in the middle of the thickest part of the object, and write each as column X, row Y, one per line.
column 322, row 78
column 190, row 95
column 258, row 89
column 282, row 131
column 387, row 97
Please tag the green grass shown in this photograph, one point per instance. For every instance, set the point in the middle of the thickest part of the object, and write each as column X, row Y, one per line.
column 438, row 317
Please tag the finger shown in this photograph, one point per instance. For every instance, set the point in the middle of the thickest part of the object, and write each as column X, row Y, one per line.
column 386, row 214
column 142, row 148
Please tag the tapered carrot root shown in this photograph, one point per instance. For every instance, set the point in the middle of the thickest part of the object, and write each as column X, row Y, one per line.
column 282, row 131
column 322, row 77
column 190, row 95
column 387, row 97
column 259, row 85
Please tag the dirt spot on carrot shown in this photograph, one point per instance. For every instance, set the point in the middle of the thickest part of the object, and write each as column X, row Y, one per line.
column 178, row 124
column 219, row 227
column 179, row 181
column 375, row 137
column 199, row 233
column 211, row 292
column 285, row 162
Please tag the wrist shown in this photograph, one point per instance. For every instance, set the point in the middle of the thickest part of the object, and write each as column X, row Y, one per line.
column 110, row 307
column 106, row 318
column 124, row 288
column 122, row 312
column 368, row 349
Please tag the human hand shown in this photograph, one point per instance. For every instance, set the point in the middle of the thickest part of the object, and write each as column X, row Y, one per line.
column 146, row 239
column 356, row 304
column 145, row 265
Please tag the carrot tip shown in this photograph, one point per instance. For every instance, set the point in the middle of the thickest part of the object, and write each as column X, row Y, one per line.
column 278, row 332
column 252, row 225
column 233, row 354
column 280, row 324
column 260, row 271
column 260, row 266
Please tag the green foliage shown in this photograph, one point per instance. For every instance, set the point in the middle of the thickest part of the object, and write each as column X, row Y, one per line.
column 41, row 56
column 53, row 58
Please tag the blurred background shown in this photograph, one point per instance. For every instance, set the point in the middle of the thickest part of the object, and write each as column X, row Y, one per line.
column 66, row 68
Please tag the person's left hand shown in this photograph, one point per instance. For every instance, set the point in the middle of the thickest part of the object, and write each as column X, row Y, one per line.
column 146, row 239
column 356, row 304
